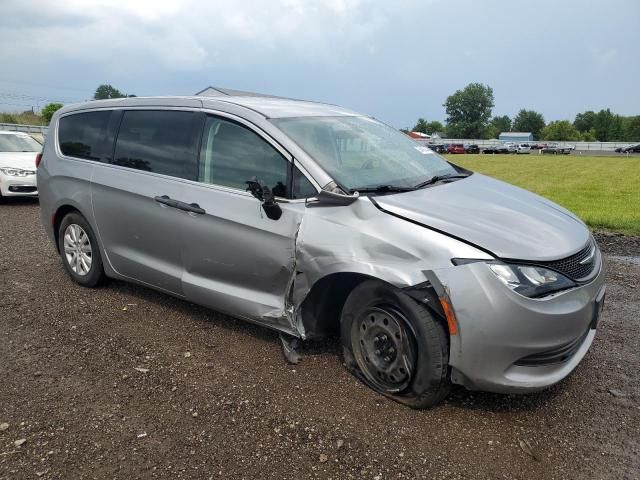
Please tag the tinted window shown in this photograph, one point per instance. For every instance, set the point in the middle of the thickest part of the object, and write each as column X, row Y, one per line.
column 232, row 154
column 160, row 141
column 87, row 135
column 302, row 188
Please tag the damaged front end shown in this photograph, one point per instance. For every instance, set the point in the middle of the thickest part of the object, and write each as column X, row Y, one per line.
column 338, row 246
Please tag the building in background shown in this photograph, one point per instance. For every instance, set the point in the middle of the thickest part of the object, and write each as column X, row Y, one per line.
column 516, row 137
column 419, row 136
column 229, row 92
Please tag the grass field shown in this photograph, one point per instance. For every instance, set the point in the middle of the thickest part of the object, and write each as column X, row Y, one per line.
column 603, row 191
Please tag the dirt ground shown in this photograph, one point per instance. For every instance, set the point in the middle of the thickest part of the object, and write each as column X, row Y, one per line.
column 124, row 382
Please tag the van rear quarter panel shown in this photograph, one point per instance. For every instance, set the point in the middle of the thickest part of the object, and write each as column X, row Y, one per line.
column 63, row 182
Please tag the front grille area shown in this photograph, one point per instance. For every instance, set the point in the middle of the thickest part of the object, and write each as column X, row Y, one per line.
column 571, row 266
column 557, row 355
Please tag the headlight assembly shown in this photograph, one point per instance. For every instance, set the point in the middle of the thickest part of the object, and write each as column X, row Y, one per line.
column 16, row 172
column 530, row 280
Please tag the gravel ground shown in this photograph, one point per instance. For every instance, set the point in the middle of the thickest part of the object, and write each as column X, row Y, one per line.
column 124, row 382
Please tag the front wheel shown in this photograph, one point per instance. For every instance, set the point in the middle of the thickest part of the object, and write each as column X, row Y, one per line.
column 395, row 345
column 79, row 251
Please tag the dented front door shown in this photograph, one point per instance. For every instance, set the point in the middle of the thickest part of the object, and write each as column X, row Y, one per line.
column 236, row 259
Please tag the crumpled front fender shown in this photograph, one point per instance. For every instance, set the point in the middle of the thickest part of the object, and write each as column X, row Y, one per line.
column 362, row 239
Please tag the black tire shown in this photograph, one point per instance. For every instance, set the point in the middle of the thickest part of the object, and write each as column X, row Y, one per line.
column 371, row 314
column 95, row 274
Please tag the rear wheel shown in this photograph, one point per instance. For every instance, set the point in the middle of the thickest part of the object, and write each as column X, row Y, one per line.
column 395, row 345
column 79, row 251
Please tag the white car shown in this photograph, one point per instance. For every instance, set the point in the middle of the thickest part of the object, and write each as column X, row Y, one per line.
column 18, row 152
column 511, row 147
column 523, row 148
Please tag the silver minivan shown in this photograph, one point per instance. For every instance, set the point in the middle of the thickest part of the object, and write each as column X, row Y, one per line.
column 315, row 220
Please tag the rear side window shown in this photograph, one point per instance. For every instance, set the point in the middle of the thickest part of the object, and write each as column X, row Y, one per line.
column 87, row 135
column 160, row 141
column 232, row 154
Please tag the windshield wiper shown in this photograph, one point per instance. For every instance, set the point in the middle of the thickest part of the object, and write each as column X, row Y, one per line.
column 382, row 189
column 438, row 178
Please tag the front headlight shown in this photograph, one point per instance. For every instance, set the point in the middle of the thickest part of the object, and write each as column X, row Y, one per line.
column 530, row 280
column 16, row 172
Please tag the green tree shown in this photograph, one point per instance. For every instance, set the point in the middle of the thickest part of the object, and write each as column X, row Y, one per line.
column 589, row 135
column 106, row 91
column 420, row 126
column 585, row 121
column 503, row 123
column 428, row 127
column 562, row 130
column 49, row 109
column 632, row 129
column 609, row 127
column 529, row 121
column 468, row 111
column 434, row 127
column 496, row 126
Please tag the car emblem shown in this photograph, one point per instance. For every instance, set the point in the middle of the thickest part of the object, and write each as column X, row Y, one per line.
column 589, row 258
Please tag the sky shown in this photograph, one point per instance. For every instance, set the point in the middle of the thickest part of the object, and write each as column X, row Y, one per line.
column 395, row 60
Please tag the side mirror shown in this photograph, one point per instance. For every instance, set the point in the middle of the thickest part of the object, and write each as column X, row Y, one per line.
column 262, row 192
column 332, row 199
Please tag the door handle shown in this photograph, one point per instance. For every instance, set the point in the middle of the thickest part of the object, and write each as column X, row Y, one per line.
column 166, row 200
column 191, row 208
column 187, row 207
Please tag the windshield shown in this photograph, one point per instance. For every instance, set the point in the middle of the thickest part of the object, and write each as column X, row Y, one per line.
column 18, row 143
column 360, row 152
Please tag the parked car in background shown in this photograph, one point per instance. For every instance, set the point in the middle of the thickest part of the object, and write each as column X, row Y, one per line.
column 538, row 146
column 556, row 149
column 472, row 148
column 631, row 149
column 18, row 152
column 499, row 148
column 523, row 148
column 510, row 147
column 312, row 219
column 492, row 149
column 456, row 148
column 437, row 147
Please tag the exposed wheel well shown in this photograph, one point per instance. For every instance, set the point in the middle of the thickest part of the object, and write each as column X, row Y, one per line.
column 322, row 307
column 57, row 220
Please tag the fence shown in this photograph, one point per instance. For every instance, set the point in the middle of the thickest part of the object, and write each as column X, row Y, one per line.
column 582, row 146
column 25, row 128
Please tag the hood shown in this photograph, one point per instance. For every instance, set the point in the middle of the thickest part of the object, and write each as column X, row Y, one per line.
column 510, row 222
column 23, row 160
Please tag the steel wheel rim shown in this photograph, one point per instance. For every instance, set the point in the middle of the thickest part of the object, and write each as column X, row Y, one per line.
column 77, row 249
column 384, row 348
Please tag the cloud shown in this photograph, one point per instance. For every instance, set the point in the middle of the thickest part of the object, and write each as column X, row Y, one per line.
column 192, row 35
column 395, row 60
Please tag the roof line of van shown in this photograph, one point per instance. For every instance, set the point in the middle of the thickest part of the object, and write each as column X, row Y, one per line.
column 263, row 106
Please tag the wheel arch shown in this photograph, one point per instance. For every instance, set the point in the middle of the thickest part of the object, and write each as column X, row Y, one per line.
column 322, row 306
column 61, row 212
